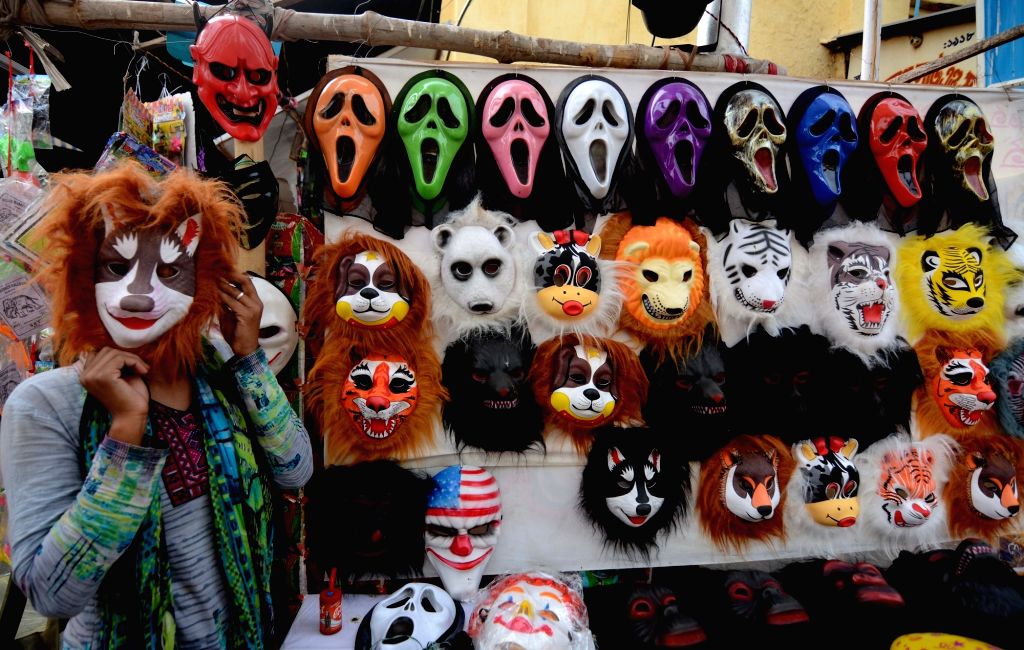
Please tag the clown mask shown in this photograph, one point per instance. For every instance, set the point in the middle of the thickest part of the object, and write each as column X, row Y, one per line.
column 962, row 388
column 897, row 141
column 677, row 127
column 236, row 74
column 584, row 392
column 755, row 125
column 530, row 611
column 826, row 137
column 349, row 120
column 370, row 293
column 566, row 274
column 379, row 394
column 993, row 486
column 433, row 124
column 145, row 280
column 667, row 280
column 862, row 291
column 966, row 142
column 515, row 124
column 463, row 523
column 750, row 487
column 595, row 128
column 412, row 618
column 278, row 334
column 830, row 480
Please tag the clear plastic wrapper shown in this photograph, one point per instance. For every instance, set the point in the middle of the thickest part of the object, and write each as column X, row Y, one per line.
column 35, row 89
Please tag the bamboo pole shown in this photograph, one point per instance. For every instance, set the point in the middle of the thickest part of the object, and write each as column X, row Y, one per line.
column 983, row 45
column 373, row 29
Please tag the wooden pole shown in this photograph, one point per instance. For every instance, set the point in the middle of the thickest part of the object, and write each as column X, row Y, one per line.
column 983, row 45
column 373, row 29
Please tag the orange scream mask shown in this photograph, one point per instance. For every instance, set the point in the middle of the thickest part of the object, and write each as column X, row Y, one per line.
column 962, row 388
column 379, row 394
column 349, row 123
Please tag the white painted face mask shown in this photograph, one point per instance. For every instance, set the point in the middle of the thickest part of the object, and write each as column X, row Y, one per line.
column 146, row 280
column 595, row 126
column 278, row 335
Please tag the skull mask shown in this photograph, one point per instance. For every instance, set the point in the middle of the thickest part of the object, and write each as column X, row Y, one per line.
column 433, row 123
column 412, row 618
column 826, row 137
column 348, row 121
column 463, row 523
column 595, row 128
column 515, row 124
column 236, row 74
column 897, row 141
column 677, row 127
column 755, row 125
column 965, row 139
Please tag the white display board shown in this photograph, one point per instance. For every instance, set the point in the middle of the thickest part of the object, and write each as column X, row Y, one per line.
column 542, row 526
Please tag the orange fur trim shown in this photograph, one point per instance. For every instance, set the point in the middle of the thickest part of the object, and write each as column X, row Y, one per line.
column 964, row 520
column 725, row 529
column 74, row 230
column 343, row 443
column 928, row 414
column 320, row 319
column 630, row 380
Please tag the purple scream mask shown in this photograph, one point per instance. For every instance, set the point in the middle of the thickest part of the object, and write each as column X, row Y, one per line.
column 677, row 126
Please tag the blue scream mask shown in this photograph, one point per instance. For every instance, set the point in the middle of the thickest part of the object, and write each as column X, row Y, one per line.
column 826, row 136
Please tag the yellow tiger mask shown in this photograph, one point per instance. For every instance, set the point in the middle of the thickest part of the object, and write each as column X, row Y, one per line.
column 953, row 281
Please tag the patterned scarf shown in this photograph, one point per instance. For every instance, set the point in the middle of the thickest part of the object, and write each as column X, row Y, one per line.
column 135, row 597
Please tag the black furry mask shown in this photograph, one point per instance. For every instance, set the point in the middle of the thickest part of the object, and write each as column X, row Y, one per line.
column 875, row 402
column 367, row 519
column 631, row 490
column 690, row 395
column 757, row 597
column 776, row 384
column 658, row 621
column 492, row 406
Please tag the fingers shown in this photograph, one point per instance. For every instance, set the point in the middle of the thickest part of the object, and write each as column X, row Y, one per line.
column 109, row 363
column 238, row 294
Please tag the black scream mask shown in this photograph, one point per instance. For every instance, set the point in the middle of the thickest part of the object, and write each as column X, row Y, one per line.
column 256, row 188
column 630, row 491
column 690, row 395
column 776, row 383
column 492, row 406
column 367, row 519
column 658, row 621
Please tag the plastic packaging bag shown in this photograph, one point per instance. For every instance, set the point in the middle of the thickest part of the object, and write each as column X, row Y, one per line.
column 35, row 90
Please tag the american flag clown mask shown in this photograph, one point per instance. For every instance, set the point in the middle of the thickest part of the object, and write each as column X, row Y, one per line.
column 462, row 526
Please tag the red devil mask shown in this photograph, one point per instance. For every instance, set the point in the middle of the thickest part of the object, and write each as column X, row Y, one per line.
column 897, row 141
column 236, row 73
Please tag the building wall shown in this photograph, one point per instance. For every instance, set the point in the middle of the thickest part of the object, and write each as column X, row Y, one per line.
column 898, row 55
column 787, row 32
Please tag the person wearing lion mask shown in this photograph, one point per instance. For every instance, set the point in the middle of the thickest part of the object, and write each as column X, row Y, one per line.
column 140, row 472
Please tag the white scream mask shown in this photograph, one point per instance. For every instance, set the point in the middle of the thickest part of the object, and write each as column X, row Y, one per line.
column 146, row 280
column 477, row 270
column 595, row 127
column 278, row 335
column 412, row 618
column 462, row 526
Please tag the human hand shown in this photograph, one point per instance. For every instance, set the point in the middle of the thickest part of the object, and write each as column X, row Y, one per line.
column 241, row 313
column 115, row 378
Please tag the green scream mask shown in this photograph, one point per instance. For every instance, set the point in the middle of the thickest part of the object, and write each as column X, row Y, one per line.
column 433, row 123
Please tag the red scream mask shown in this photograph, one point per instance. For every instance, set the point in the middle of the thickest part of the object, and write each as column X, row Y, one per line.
column 236, row 74
column 349, row 123
column 897, row 141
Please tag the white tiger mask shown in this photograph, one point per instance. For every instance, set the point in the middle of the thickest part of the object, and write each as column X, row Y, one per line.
column 751, row 268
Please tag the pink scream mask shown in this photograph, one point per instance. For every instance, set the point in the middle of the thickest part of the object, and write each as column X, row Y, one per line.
column 515, row 125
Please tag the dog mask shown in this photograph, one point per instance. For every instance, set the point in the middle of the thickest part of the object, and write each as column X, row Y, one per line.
column 492, row 406
column 630, row 492
column 463, row 524
column 982, row 489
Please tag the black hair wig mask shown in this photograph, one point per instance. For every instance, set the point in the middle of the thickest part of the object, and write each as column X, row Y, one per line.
column 594, row 126
column 691, row 395
column 367, row 519
column 776, row 383
column 630, row 491
column 518, row 164
column 492, row 405
column 750, row 177
column 959, row 162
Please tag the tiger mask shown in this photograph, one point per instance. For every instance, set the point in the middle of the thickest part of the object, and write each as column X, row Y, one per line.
column 957, row 396
column 953, row 281
column 901, row 503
